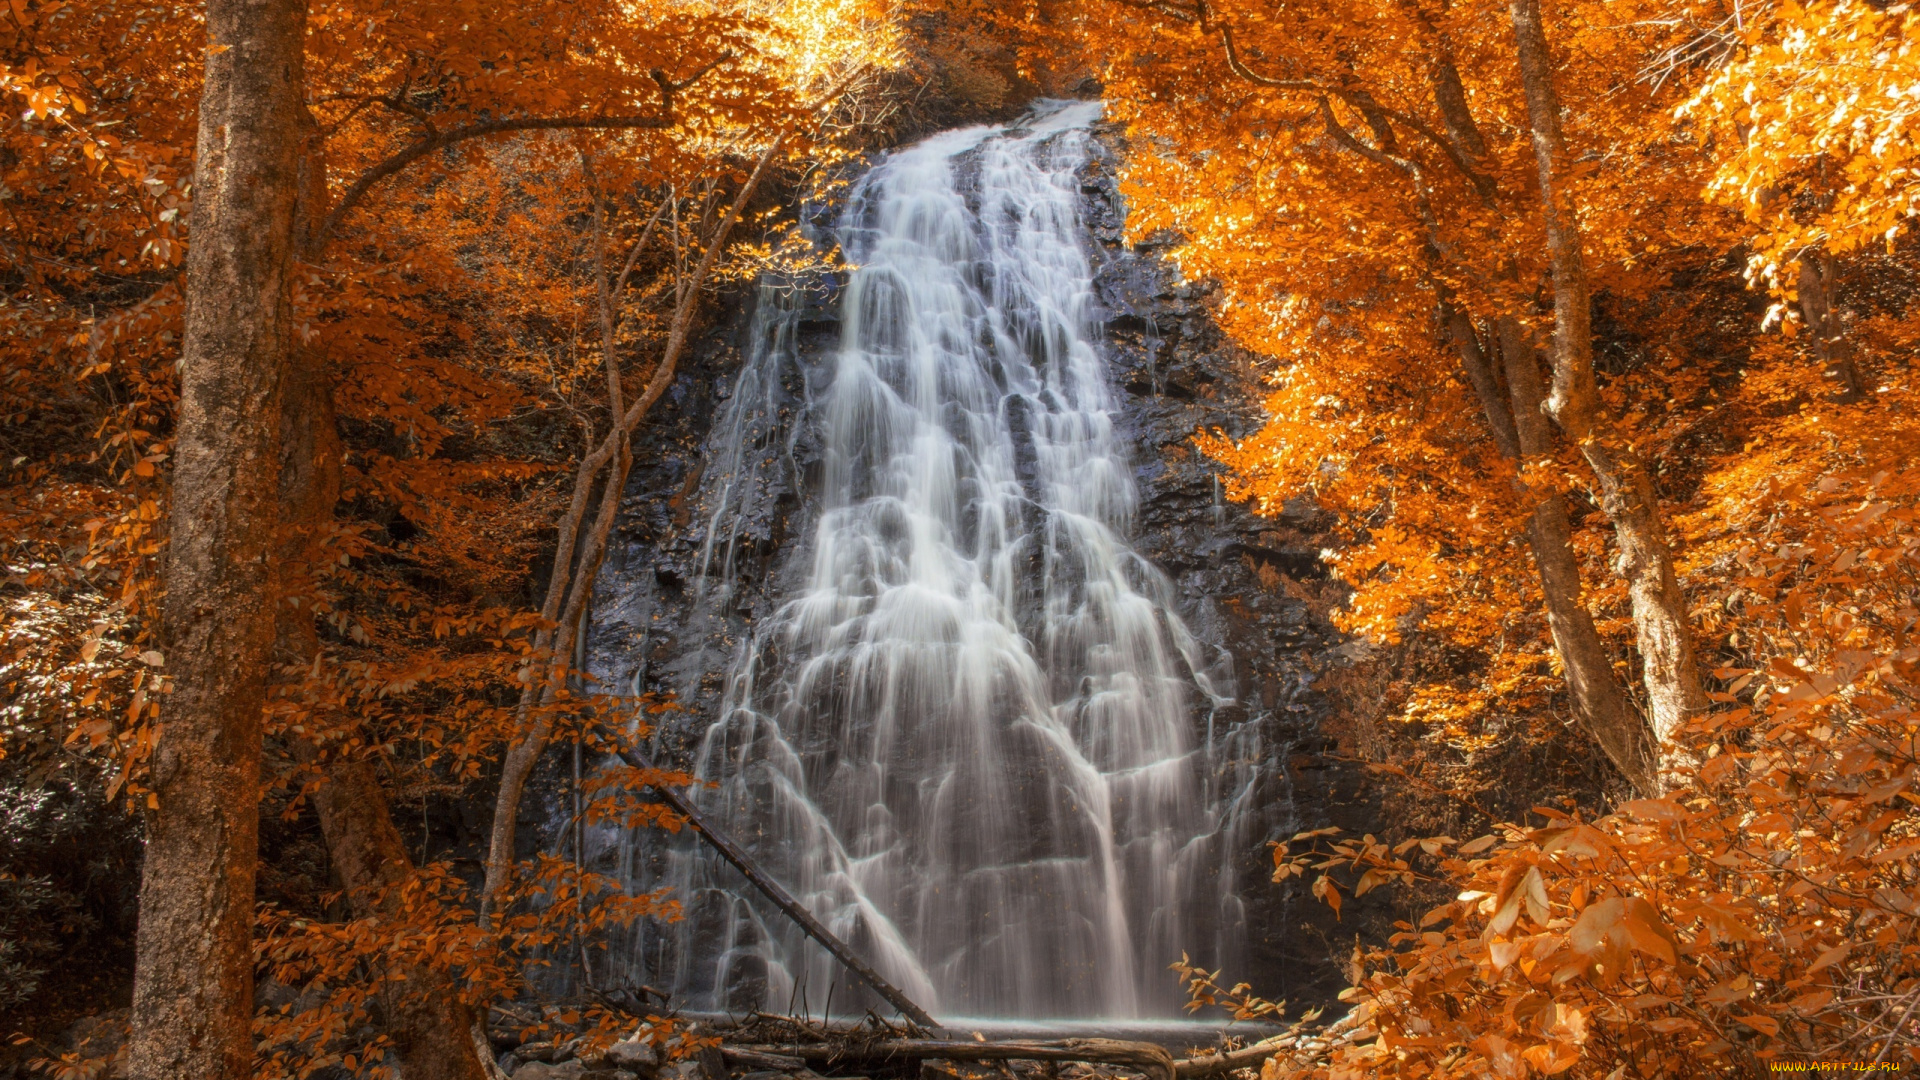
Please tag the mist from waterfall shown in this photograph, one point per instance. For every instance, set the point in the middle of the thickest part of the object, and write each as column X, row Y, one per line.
column 975, row 739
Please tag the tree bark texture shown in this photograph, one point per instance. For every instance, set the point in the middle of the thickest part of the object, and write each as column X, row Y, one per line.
column 1817, row 286
column 1644, row 557
column 193, row 979
column 1521, row 431
column 1598, row 697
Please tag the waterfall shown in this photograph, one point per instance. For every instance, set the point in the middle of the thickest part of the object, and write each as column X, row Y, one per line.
column 975, row 739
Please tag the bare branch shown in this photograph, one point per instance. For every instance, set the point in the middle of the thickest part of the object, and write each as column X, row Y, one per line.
column 447, row 138
column 441, row 140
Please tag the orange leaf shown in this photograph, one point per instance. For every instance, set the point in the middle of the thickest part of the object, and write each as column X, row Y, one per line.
column 1762, row 1024
column 1830, row 957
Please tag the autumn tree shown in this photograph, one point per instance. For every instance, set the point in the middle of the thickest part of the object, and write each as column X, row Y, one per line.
column 1810, row 105
column 193, row 983
column 1644, row 555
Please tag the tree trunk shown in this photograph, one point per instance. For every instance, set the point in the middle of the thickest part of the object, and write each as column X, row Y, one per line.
column 1816, row 287
column 1598, row 697
column 1485, row 383
column 1521, row 432
column 430, row 1025
column 193, row 977
column 1644, row 559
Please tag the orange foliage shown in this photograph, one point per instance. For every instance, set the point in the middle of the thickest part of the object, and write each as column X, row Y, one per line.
column 486, row 165
column 1815, row 113
column 1770, row 910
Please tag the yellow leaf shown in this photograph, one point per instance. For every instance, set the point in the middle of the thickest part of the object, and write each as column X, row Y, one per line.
column 1533, row 889
column 1503, row 953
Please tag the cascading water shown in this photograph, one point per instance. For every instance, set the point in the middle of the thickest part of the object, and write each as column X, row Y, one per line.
column 976, row 739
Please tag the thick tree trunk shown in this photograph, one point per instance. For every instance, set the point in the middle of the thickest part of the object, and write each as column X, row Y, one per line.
column 193, row 978
column 1520, row 432
column 1816, row 286
column 1644, row 559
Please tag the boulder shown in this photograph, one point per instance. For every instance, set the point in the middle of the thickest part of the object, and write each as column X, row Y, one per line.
column 636, row 1054
column 540, row 1070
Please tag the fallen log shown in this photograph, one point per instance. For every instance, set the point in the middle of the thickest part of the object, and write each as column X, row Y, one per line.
column 1228, row 1060
column 1296, row 1043
column 754, row 1059
column 1149, row 1058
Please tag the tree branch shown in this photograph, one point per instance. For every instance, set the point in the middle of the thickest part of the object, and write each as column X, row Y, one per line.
column 447, row 138
column 1350, row 141
column 610, row 357
column 1235, row 65
column 443, row 139
column 1482, row 183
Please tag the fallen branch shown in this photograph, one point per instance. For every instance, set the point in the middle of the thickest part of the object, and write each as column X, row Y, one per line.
column 754, row 1059
column 781, row 899
column 1228, row 1060
column 1297, row 1046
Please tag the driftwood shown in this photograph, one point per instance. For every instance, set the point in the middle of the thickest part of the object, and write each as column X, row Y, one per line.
column 1228, row 1060
column 1149, row 1058
column 772, row 890
column 754, row 1059
column 1300, row 1043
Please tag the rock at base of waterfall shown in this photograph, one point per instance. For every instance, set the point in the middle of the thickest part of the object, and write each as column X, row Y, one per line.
column 570, row 1070
column 636, row 1054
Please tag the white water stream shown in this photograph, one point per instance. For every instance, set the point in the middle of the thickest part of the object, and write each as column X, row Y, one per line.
column 971, row 741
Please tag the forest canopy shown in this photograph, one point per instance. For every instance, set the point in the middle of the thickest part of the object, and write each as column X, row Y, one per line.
column 1586, row 330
